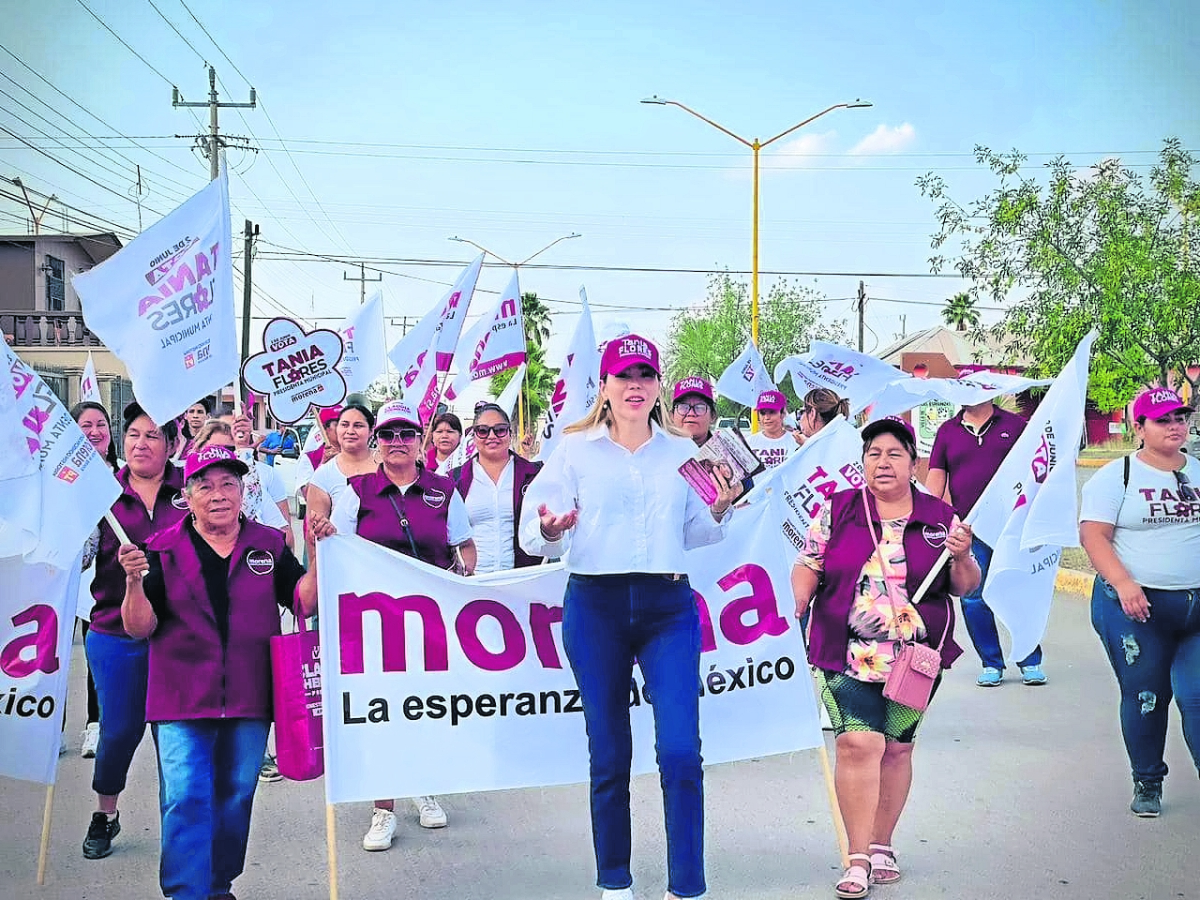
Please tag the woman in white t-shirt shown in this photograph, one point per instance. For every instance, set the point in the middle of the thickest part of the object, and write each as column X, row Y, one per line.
column 772, row 443
column 354, row 426
column 1140, row 525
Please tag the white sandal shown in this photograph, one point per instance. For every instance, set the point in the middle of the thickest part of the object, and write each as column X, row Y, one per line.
column 856, row 874
column 883, row 864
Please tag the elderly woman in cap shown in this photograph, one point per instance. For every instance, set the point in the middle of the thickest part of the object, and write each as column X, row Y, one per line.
column 206, row 593
column 860, row 567
column 1140, row 525
column 772, row 443
column 151, row 499
column 612, row 502
column 405, row 507
column 493, row 485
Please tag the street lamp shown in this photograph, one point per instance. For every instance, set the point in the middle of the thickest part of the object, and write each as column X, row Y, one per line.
column 566, row 237
column 755, row 145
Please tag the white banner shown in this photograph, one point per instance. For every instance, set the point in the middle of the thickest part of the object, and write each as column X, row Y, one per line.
column 89, row 387
column 578, row 381
column 37, row 621
column 829, row 461
column 854, row 376
column 1029, row 511
column 54, row 486
column 365, row 354
column 461, row 684
column 493, row 344
column 507, row 400
column 965, row 390
column 164, row 305
column 745, row 378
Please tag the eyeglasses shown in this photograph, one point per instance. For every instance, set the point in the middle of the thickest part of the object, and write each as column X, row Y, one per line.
column 696, row 409
column 1186, row 491
column 485, row 431
column 392, row 435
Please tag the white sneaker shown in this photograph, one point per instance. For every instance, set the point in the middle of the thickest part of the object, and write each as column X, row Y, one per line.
column 619, row 894
column 383, row 829
column 432, row 814
column 91, row 740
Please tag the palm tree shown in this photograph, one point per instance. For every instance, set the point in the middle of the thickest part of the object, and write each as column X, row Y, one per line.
column 960, row 312
column 537, row 319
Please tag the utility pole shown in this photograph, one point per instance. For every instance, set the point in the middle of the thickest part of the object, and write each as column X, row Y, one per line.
column 362, row 279
column 213, row 141
column 903, row 326
column 862, row 312
column 251, row 234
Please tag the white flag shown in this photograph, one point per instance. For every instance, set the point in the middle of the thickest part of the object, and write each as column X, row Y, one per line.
column 89, row 387
column 493, row 344
column 578, row 381
column 364, row 352
column 851, row 375
column 37, row 623
column 164, row 305
column 967, row 390
column 507, row 400
column 1028, row 512
column 54, row 486
column 745, row 378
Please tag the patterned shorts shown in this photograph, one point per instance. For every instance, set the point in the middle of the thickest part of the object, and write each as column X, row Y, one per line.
column 855, row 705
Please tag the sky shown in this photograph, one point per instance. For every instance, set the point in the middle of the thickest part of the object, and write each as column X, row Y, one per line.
column 384, row 130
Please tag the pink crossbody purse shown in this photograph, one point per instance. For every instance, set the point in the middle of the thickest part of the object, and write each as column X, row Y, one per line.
column 916, row 667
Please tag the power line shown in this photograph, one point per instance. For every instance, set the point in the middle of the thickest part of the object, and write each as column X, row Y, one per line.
column 122, row 40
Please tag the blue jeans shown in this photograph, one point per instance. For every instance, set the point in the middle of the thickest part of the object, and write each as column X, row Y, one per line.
column 608, row 622
column 981, row 623
column 1153, row 661
column 119, row 666
column 207, row 773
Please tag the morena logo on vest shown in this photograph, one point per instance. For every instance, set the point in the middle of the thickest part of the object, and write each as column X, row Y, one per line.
column 179, row 501
column 935, row 535
column 260, row 562
column 434, row 498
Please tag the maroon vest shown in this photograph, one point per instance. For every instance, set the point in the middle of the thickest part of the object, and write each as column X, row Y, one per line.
column 383, row 510
column 524, row 472
column 108, row 583
column 849, row 548
column 316, row 456
column 192, row 674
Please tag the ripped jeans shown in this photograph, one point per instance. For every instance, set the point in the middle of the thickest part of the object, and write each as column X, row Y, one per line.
column 1153, row 661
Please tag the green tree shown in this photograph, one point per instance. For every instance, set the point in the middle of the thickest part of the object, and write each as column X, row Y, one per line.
column 537, row 319
column 1102, row 248
column 704, row 340
column 960, row 312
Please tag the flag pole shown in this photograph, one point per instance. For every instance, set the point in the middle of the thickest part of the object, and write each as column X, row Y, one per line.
column 43, row 850
column 331, row 846
column 839, row 824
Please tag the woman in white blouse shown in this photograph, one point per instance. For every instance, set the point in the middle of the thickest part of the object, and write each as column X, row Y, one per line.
column 354, row 426
column 493, row 484
column 612, row 503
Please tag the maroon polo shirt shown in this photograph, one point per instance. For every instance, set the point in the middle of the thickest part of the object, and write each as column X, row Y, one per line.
column 970, row 458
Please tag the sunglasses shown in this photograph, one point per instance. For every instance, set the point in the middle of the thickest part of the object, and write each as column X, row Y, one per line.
column 696, row 409
column 403, row 435
column 1186, row 491
column 485, row 431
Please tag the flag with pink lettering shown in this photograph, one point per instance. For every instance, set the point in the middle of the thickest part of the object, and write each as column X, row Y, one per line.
column 164, row 305
column 437, row 684
column 494, row 344
column 37, row 622
column 89, row 387
column 364, row 355
column 578, row 381
column 745, row 378
column 850, row 374
column 54, row 486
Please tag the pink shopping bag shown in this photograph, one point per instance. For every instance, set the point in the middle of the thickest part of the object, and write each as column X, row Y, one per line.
column 296, row 675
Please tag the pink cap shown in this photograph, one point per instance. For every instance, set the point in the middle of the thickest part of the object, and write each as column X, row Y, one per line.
column 693, row 384
column 397, row 412
column 1157, row 402
column 893, row 425
column 625, row 351
column 329, row 414
column 771, row 400
column 213, row 455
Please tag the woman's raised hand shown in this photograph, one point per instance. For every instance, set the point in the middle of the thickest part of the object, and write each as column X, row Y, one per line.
column 553, row 525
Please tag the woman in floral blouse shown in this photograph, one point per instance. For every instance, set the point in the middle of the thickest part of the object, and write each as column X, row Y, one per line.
column 863, row 560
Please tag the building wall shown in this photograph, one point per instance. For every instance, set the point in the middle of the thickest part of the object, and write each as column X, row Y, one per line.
column 17, row 277
column 75, row 261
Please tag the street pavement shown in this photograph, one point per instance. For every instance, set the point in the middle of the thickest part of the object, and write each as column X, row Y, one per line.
column 1018, row 793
